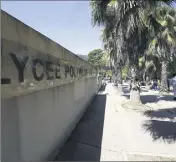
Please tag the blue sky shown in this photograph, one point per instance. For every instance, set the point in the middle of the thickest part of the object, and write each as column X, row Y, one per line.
column 66, row 22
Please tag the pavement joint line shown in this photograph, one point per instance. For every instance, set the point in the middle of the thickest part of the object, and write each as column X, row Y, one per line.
column 83, row 143
column 153, row 155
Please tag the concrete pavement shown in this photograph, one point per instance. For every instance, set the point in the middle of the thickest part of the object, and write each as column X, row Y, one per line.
column 108, row 132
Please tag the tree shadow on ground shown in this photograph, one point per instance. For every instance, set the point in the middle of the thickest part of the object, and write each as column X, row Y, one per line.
column 155, row 98
column 149, row 99
column 161, row 128
column 84, row 143
column 152, row 98
column 126, row 90
column 162, row 113
column 125, row 86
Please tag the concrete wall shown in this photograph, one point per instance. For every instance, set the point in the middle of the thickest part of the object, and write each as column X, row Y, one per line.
column 38, row 115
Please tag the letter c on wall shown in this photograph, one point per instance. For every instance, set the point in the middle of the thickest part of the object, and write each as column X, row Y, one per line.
column 34, row 63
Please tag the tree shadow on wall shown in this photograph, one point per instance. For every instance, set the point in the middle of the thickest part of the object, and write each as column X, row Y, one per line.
column 162, row 125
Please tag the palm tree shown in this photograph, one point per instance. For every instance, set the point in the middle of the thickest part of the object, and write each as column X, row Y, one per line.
column 110, row 39
column 129, row 25
column 150, row 68
column 172, row 62
column 164, row 41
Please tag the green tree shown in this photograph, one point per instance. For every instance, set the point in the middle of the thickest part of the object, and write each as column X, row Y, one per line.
column 129, row 28
column 164, row 41
column 111, row 39
column 95, row 58
column 125, row 71
column 98, row 58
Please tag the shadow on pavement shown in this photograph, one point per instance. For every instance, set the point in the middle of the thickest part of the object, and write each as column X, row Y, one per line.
column 125, row 86
column 163, row 113
column 152, row 98
column 155, row 98
column 126, row 90
column 149, row 99
column 84, row 144
column 102, row 88
column 160, row 129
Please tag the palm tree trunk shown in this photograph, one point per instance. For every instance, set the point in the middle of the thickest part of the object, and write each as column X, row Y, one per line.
column 119, row 89
column 164, row 87
column 119, row 76
column 116, row 73
column 135, row 88
column 144, row 76
column 116, row 78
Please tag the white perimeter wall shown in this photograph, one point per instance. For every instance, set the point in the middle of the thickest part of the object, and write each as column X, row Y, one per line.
column 38, row 116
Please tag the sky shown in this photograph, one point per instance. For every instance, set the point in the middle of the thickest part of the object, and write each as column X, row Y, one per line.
column 65, row 22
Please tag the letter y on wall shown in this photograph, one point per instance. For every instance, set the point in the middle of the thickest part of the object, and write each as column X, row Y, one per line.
column 20, row 65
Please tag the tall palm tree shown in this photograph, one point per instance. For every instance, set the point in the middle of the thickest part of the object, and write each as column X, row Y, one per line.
column 165, row 40
column 129, row 24
column 150, row 67
column 110, row 39
column 128, row 13
column 172, row 62
column 110, row 48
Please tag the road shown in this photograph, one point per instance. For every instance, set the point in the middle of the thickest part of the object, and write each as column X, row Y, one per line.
column 109, row 132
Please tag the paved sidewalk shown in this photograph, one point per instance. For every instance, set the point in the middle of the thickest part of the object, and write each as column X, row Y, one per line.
column 107, row 132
